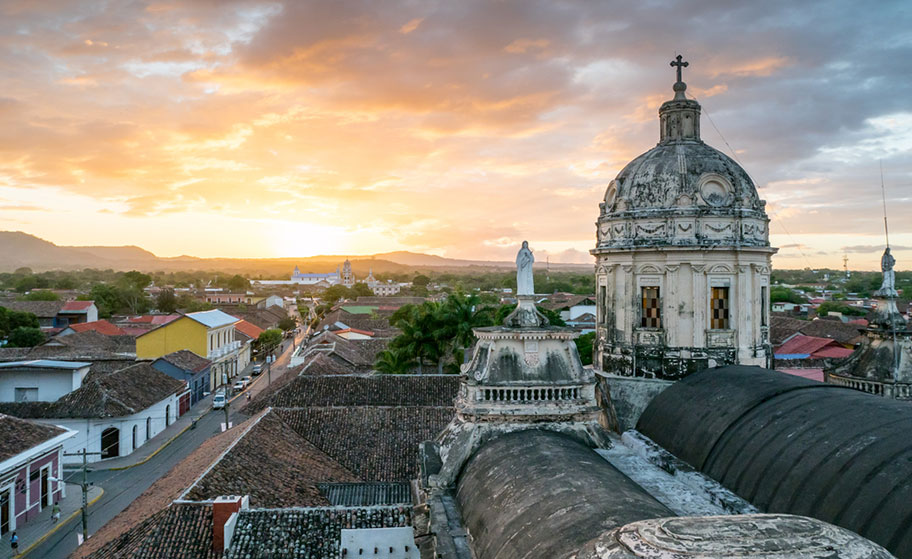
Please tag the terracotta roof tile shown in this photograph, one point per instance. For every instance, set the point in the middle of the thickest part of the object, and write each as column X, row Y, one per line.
column 252, row 331
column 186, row 360
column 296, row 533
column 41, row 309
column 18, row 435
column 375, row 443
column 76, row 306
column 373, row 390
column 116, row 394
column 100, row 326
column 275, row 466
column 180, row 531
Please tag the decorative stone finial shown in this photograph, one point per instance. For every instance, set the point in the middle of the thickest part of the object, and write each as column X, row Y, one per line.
column 679, row 86
column 679, row 118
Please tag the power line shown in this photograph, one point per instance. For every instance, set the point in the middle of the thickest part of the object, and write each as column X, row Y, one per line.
column 779, row 221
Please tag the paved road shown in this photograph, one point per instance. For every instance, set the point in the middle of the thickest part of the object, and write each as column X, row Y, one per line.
column 122, row 487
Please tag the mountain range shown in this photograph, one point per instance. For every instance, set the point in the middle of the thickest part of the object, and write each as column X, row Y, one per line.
column 18, row 249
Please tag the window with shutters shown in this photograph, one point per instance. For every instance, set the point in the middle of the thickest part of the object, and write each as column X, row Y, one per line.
column 719, row 309
column 651, row 316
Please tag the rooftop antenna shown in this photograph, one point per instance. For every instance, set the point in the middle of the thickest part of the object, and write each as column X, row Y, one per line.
column 883, row 196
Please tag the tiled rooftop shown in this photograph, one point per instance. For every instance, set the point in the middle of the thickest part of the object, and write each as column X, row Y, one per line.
column 100, row 326
column 18, row 435
column 373, row 390
column 306, row 533
column 275, row 466
column 41, row 309
column 186, row 360
column 180, row 531
column 116, row 394
column 375, row 443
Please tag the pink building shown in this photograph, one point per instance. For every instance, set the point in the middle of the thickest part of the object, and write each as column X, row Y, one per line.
column 30, row 469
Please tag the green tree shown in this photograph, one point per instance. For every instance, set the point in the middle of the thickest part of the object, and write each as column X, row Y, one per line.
column 830, row 306
column 10, row 320
column 394, row 361
column 40, row 295
column 137, row 280
column 421, row 280
column 335, row 293
column 361, row 290
column 25, row 337
column 166, row 301
column 26, row 283
column 287, row 324
column 66, row 282
column 238, row 284
column 584, row 346
column 106, row 299
column 786, row 295
column 269, row 340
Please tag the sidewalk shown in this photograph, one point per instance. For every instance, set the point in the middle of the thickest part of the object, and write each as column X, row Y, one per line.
column 40, row 527
column 159, row 441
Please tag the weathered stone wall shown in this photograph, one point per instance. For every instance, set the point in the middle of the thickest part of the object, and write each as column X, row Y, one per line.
column 630, row 396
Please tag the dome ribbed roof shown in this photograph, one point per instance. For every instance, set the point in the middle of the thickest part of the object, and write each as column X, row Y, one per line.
column 677, row 174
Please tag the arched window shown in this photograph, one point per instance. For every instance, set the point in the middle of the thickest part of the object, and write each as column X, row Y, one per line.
column 148, row 428
column 135, row 437
column 167, row 415
column 110, row 443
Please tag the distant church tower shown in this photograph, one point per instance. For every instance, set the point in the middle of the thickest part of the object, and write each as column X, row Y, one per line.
column 683, row 257
column 348, row 278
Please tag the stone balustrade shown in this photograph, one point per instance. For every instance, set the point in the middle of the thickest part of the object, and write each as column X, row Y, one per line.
column 897, row 391
column 530, row 394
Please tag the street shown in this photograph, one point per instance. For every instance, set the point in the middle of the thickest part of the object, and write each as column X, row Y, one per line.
column 122, row 487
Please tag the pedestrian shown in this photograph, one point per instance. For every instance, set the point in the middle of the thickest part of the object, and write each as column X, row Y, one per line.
column 55, row 511
column 14, row 544
column 248, row 395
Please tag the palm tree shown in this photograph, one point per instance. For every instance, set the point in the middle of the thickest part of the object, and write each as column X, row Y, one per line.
column 394, row 362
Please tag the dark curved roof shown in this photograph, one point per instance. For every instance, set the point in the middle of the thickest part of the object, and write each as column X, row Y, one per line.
column 534, row 494
column 792, row 445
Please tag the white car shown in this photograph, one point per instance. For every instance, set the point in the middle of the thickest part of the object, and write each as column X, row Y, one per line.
column 218, row 401
column 239, row 385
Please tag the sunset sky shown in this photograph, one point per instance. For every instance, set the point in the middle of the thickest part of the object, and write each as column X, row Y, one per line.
column 458, row 128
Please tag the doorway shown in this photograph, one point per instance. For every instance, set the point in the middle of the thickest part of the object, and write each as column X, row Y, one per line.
column 45, row 487
column 110, row 443
column 5, row 511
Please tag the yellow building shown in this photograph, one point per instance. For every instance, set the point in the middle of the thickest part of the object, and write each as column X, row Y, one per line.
column 209, row 334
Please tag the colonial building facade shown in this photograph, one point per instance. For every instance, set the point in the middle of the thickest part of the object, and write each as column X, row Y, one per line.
column 683, row 258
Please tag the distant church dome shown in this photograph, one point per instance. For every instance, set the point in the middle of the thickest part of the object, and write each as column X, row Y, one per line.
column 682, row 177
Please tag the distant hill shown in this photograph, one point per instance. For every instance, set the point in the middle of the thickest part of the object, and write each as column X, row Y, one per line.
column 18, row 249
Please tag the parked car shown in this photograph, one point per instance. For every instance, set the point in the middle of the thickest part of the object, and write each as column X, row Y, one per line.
column 219, row 401
column 257, row 369
column 246, row 381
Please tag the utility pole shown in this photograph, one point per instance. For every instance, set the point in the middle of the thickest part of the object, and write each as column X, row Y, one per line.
column 85, row 489
column 227, row 403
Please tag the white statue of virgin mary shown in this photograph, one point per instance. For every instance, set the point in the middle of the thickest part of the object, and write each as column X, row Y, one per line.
column 524, row 261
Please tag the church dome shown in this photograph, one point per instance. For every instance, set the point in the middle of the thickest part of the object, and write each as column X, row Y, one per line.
column 683, row 191
column 682, row 174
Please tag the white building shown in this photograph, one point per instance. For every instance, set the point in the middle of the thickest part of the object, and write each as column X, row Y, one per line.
column 40, row 380
column 683, row 258
column 112, row 413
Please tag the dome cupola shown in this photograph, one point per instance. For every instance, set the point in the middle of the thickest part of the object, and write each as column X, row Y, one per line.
column 682, row 178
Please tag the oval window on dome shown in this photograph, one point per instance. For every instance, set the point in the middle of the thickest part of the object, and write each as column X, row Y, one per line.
column 715, row 192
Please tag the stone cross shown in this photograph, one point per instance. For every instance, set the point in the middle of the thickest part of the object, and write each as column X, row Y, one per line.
column 677, row 62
